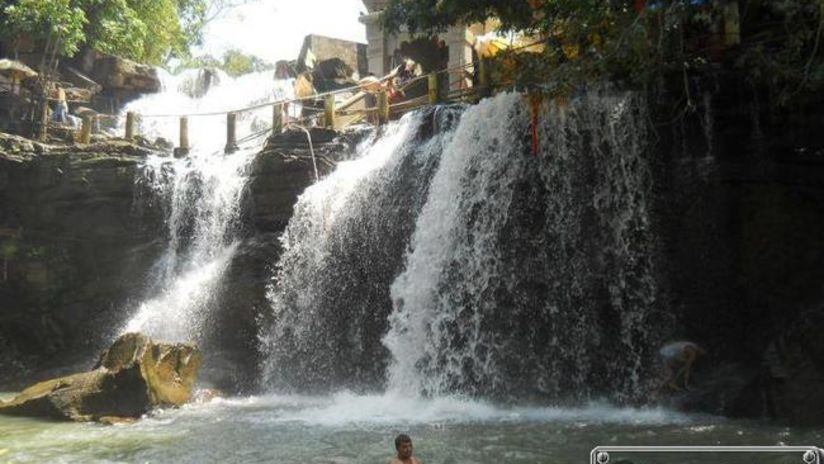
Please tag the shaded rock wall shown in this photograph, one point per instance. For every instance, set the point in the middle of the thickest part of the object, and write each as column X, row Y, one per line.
column 741, row 189
column 73, row 244
column 79, row 236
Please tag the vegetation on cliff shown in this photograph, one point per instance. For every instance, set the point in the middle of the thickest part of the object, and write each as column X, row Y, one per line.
column 775, row 45
column 145, row 31
column 234, row 62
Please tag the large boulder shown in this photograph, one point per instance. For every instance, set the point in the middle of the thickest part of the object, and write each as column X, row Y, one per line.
column 119, row 74
column 133, row 376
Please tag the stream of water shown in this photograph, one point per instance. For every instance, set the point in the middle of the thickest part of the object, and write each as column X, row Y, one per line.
column 349, row 429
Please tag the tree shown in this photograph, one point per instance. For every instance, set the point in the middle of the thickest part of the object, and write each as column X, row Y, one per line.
column 639, row 42
column 148, row 31
column 237, row 63
column 436, row 15
column 58, row 23
column 234, row 63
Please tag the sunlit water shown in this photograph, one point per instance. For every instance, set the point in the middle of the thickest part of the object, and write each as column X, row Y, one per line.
column 199, row 194
column 346, row 428
column 349, row 429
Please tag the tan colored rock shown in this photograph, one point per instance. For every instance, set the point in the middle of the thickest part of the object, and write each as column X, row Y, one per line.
column 133, row 376
column 116, row 73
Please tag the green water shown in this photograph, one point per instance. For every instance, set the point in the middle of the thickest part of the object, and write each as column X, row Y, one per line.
column 346, row 428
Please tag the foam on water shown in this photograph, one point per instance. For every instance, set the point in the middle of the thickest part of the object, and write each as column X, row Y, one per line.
column 346, row 407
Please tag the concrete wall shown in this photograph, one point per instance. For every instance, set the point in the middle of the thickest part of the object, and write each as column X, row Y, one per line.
column 324, row 48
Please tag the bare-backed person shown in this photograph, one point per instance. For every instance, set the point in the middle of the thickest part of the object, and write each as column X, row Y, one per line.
column 403, row 448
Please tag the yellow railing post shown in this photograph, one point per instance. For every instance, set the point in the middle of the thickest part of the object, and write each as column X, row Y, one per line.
column 330, row 111
column 434, row 94
column 277, row 119
column 86, row 130
column 231, row 133
column 130, row 122
column 383, row 107
column 183, row 148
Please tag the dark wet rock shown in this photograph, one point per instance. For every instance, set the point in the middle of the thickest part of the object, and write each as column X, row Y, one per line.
column 135, row 375
column 332, row 74
column 76, row 240
column 794, row 363
column 284, row 169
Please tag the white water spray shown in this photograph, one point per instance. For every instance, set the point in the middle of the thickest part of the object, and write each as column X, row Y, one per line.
column 201, row 195
column 305, row 319
column 420, row 325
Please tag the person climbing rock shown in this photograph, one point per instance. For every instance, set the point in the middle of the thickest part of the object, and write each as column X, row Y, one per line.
column 403, row 448
column 678, row 358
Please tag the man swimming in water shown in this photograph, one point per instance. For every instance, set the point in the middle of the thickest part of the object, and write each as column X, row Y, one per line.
column 403, row 446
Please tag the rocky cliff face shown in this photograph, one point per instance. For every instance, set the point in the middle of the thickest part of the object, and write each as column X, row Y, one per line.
column 73, row 244
column 78, row 238
column 740, row 189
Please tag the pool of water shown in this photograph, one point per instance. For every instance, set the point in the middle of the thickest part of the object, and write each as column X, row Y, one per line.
column 347, row 428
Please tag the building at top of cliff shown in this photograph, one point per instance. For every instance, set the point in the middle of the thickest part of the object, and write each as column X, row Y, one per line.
column 317, row 48
column 451, row 49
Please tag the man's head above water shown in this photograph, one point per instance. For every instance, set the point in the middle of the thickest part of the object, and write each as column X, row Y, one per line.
column 403, row 445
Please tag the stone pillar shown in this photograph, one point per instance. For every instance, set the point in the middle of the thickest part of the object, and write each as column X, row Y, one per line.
column 460, row 41
column 376, row 44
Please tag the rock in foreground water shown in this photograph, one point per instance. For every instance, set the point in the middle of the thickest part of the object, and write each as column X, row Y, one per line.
column 133, row 376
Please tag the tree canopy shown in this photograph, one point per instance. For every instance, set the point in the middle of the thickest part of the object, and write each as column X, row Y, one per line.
column 149, row 31
column 233, row 62
column 639, row 41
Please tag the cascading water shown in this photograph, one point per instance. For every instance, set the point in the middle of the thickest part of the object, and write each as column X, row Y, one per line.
column 532, row 277
column 200, row 196
column 508, row 276
column 341, row 250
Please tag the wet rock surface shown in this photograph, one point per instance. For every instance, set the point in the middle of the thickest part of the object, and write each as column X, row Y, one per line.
column 75, row 240
column 135, row 375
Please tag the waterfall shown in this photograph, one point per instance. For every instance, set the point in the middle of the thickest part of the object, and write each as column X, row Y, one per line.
column 199, row 195
column 533, row 277
column 482, row 270
column 341, row 250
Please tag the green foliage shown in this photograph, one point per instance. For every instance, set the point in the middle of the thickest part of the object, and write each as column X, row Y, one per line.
column 8, row 248
column 58, row 20
column 234, row 63
column 638, row 43
column 785, row 44
column 148, row 31
column 435, row 15
column 142, row 30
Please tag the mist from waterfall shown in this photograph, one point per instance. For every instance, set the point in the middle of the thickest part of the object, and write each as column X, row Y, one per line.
column 200, row 195
column 506, row 275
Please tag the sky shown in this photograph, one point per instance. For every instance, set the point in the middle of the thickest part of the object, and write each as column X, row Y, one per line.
column 274, row 29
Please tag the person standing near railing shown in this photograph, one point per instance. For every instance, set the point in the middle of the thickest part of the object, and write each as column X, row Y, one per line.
column 61, row 108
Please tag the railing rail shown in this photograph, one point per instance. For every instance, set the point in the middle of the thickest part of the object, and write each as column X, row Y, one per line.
column 339, row 115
